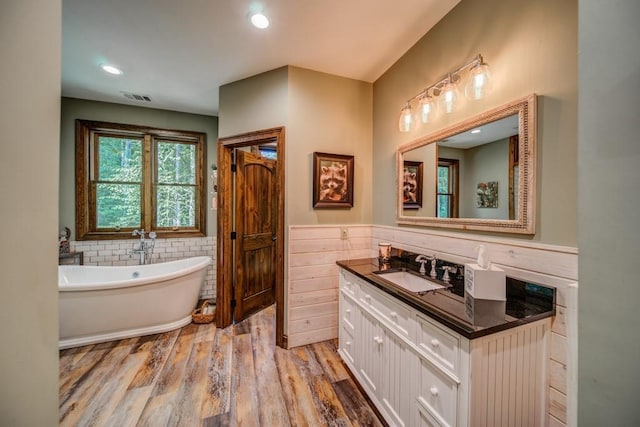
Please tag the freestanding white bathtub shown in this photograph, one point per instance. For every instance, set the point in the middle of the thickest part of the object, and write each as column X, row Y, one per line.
column 98, row 304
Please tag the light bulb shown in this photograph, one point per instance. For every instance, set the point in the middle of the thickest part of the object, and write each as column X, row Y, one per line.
column 427, row 108
column 259, row 21
column 111, row 69
column 479, row 81
column 448, row 96
column 406, row 118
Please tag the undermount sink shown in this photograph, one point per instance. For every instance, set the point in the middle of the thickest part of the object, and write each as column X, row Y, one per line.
column 409, row 281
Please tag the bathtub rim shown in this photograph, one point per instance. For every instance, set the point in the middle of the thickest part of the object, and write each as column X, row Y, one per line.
column 157, row 278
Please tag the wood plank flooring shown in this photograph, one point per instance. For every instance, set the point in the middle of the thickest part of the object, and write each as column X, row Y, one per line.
column 203, row 376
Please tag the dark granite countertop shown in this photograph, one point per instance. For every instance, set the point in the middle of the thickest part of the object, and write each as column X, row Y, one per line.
column 526, row 302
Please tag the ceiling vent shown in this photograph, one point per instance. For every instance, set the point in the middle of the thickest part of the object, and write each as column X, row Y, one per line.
column 136, row 97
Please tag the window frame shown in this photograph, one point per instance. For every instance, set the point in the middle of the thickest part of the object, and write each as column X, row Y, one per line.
column 87, row 132
column 453, row 165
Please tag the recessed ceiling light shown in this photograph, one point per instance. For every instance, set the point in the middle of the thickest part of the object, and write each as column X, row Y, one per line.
column 111, row 69
column 475, row 131
column 259, row 21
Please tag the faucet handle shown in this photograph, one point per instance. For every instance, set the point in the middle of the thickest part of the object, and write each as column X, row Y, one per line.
column 448, row 269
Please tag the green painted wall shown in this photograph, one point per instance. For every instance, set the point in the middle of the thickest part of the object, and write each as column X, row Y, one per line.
column 328, row 114
column 30, row 48
column 489, row 162
column 531, row 46
column 73, row 109
column 254, row 103
column 609, row 207
column 321, row 112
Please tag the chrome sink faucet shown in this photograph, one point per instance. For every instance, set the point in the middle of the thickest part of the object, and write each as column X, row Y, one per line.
column 422, row 259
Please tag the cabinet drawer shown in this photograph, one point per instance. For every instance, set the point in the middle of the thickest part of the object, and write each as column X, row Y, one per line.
column 394, row 312
column 437, row 396
column 441, row 345
column 349, row 284
column 347, row 347
column 348, row 312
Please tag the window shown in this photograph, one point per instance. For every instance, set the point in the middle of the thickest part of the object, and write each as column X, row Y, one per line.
column 131, row 177
column 447, row 188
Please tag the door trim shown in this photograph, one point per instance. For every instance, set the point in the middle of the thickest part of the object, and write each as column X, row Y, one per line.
column 224, row 270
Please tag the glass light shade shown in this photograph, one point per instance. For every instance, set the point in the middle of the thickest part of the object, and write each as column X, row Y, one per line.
column 479, row 82
column 406, row 119
column 448, row 97
column 427, row 108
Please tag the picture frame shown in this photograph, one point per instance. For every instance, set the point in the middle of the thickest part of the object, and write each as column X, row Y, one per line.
column 332, row 181
column 487, row 195
column 412, row 184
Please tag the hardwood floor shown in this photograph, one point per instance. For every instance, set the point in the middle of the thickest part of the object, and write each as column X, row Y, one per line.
column 203, row 376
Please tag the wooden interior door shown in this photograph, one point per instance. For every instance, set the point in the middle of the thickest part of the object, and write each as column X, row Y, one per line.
column 255, row 231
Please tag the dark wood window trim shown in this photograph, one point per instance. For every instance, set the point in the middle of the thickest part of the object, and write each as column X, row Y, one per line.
column 453, row 192
column 514, row 163
column 86, row 132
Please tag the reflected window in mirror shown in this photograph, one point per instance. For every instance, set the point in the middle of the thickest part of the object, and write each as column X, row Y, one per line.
column 513, row 176
column 448, row 193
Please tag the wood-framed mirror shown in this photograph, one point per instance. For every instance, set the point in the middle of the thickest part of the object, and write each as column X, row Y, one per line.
column 476, row 175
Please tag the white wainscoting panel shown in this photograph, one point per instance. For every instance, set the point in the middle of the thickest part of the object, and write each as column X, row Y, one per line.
column 313, row 278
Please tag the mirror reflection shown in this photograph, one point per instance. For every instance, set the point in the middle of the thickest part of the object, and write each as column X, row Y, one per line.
column 470, row 175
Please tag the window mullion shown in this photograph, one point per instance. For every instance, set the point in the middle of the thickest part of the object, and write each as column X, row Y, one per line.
column 147, row 183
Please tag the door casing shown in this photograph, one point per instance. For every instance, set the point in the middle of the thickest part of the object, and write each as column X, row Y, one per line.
column 225, row 263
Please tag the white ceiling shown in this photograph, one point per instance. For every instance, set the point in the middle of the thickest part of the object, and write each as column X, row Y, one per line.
column 489, row 132
column 179, row 52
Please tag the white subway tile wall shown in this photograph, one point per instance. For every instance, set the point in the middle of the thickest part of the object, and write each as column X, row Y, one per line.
column 116, row 252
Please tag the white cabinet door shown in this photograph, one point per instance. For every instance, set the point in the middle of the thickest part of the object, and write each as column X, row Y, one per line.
column 437, row 395
column 370, row 349
column 397, row 374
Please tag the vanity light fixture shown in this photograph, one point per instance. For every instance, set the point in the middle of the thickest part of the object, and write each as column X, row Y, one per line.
column 478, row 85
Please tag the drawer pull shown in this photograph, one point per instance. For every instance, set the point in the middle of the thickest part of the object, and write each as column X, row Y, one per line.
column 434, row 343
column 393, row 314
column 378, row 340
column 348, row 343
column 433, row 390
column 348, row 310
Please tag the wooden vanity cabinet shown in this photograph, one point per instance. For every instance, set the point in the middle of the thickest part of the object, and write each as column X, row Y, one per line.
column 419, row 372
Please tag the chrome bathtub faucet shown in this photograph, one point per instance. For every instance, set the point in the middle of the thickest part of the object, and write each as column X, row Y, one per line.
column 146, row 247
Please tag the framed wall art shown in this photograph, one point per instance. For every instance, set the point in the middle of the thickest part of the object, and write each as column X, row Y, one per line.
column 332, row 181
column 412, row 185
column 487, row 194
